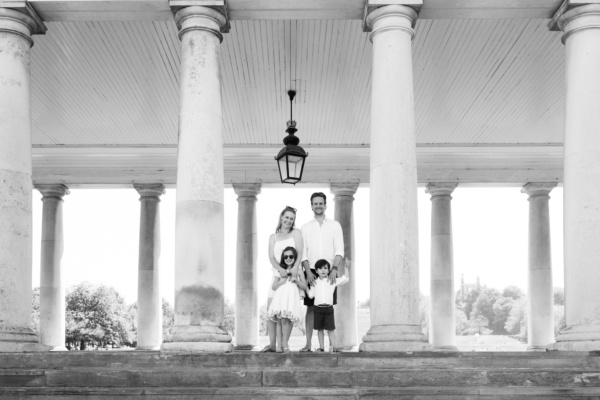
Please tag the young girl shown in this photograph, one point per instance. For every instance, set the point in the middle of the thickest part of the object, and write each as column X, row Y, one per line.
column 286, row 304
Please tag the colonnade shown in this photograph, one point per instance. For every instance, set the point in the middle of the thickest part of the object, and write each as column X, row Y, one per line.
column 199, row 253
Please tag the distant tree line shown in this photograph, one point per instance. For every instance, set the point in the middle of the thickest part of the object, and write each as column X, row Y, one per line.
column 97, row 317
column 486, row 310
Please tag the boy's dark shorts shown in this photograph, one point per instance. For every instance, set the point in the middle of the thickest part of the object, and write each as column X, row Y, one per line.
column 324, row 319
column 311, row 302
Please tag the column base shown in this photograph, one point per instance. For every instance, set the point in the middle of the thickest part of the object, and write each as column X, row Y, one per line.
column 443, row 349
column 537, row 347
column 248, row 347
column 578, row 338
column 21, row 342
column 196, row 347
column 398, row 338
column 148, row 348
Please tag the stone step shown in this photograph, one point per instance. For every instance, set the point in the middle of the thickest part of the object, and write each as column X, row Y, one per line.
column 130, row 374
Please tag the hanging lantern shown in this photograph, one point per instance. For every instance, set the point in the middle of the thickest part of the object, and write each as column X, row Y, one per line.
column 290, row 159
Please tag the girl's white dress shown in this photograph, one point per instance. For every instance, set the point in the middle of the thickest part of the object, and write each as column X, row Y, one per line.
column 286, row 303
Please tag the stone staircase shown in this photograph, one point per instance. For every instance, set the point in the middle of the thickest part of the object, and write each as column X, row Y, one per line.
column 249, row 375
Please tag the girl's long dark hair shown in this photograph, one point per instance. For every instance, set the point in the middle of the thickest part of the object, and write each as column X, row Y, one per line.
column 282, row 263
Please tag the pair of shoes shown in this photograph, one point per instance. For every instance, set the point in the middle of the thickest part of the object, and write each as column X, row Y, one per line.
column 319, row 350
column 267, row 349
column 305, row 350
column 334, row 350
column 286, row 350
column 279, row 350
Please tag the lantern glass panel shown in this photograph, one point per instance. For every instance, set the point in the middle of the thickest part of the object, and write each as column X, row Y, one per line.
column 295, row 166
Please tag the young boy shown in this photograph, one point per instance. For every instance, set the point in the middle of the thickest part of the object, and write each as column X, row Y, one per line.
column 322, row 291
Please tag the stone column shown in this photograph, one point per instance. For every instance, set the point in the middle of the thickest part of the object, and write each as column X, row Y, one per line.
column 442, row 327
column 540, row 296
column 199, row 252
column 395, row 324
column 149, row 300
column 345, row 310
column 581, row 26
column 52, row 291
column 246, row 279
column 16, row 187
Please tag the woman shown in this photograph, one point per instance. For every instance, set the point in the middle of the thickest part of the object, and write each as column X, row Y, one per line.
column 285, row 235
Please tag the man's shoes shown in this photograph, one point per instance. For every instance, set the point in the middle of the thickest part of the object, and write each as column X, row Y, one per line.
column 305, row 350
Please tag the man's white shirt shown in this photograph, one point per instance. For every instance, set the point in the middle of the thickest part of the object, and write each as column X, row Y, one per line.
column 322, row 241
column 322, row 290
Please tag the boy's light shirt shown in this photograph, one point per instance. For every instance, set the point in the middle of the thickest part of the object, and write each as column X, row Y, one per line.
column 322, row 291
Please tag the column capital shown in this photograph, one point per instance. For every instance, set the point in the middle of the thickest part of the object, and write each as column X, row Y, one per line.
column 149, row 189
column 20, row 18
column 57, row 191
column 574, row 16
column 194, row 16
column 538, row 189
column 437, row 189
column 344, row 189
column 376, row 11
column 247, row 189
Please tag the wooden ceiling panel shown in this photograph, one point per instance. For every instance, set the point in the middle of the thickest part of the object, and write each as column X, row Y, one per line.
column 482, row 81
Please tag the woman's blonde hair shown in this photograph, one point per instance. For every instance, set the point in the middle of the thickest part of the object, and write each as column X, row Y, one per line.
column 290, row 209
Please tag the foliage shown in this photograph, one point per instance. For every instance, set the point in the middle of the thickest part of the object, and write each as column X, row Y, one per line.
column 366, row 304
column 97, row 314
column 501, row 308
column 424, row 307
column 559, row 318
column 466, row 305
column 168, row 320
column 516, row 323
column 229, row 317
column 477, row 325
column 34, row 321
column 462, row 323
column 559, row 296
column 513, row 292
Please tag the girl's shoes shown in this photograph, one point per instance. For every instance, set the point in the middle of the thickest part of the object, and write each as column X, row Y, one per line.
column 319, row 350
column 279, row 350
column 286, row 350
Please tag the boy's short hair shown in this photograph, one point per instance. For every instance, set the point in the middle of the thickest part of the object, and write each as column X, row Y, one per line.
column 322, row 264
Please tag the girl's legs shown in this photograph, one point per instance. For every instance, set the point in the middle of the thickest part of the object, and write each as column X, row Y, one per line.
column 286, row 326
column 321, row 335
column 279, row 335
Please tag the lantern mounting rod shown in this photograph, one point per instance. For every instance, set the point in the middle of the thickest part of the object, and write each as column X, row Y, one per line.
column 291, row 94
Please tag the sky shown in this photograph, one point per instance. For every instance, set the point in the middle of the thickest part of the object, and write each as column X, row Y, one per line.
column 490, row 233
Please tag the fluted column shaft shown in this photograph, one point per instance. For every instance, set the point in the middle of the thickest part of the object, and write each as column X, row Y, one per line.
column 345, row 310
column 395, row 324
column 581, row 179
column 199, row 230
column 149, row 300
column 246, row 279
column 16, row 187
column 52, row 291
column 540, row 296
column 442, row 328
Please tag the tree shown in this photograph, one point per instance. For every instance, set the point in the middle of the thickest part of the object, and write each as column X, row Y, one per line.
column 466, row 305
column 559, row 319
column 559, row 296
column 424, row 307
column 477, row 324
column 462, row 323
column 168, row 320
column 34, row 321
column 513, row 292
column 97, row 314
column 516, row 323
column 501, row 308
column 229, row 317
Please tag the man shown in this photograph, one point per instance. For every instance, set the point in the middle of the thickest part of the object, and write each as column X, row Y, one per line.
column 323, row 239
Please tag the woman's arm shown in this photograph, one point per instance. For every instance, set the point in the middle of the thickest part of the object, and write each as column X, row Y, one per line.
column 299, row 248
column 279, row 282
column 274, row 262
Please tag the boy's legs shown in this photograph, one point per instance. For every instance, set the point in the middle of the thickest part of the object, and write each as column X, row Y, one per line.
column 332, row 340
column 321, row 335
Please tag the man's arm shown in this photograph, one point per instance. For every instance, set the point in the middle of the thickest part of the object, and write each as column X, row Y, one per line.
column 338, row 247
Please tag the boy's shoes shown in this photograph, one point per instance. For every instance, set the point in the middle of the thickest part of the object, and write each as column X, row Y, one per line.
column 267, row 349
